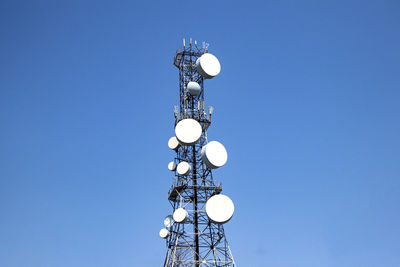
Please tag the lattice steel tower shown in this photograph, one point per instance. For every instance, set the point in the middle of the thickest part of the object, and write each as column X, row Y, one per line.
column 195, row 233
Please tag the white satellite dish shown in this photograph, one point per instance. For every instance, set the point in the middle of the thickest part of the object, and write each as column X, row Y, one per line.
column 172, row 166
column 208, row 66
column 183, row 168
column 193, row 88
column 173, row 143
column 214, row 155
column 164, row 233
column 180, row 215
column 188, row 131
column 219, row 209
column 169, row 221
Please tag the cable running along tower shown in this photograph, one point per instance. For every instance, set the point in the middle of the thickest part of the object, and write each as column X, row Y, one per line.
column 194, row 232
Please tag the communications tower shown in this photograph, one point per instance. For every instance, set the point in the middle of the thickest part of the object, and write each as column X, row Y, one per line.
column 194, row 232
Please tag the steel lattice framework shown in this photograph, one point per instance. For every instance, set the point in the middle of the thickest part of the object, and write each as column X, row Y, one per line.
column 197, row 241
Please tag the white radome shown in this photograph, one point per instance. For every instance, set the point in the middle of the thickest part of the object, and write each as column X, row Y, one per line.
column 183, row 168
column 188, row 131
column 164, row 233
column 208, row 66
column 173, row 143
column 180, row 215
column 214, row 155
column 219, row 209
column 193, row 88
column 172, row 166
column 169, row 221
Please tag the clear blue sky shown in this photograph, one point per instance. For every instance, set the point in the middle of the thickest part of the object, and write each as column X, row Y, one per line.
column 307, row 104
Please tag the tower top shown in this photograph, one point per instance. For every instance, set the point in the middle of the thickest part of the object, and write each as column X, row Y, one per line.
column 190, row 49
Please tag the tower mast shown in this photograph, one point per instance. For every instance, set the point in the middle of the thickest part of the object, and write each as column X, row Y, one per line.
column 194, row 236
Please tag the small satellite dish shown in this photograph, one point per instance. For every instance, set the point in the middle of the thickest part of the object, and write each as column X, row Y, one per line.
column 173, row 143
column 183, row 168
column 188, row 131
column 214, row 155
column 208, row 66
column 180, row 215
column 169, row 221
column 172, row 166
column 164, row 233
column 219, row 209
column 193, row 88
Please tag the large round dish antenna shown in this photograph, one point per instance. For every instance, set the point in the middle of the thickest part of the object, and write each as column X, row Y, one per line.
column 172, row 166
column 208, row 66
column 183, row 168
column 169, row 221
column 214, row 155
column 193, row 88
column 219, row 209
column 173, row 143
column 180, row 215
column 188, row 131
column 164, row 233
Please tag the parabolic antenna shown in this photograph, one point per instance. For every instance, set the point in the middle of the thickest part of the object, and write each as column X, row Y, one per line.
column 208, row 66
column 173, row 143
column 169, row 221
column 180, row 215
column 219, row 209
column 188, row 131
column 183, row 168
column 193, row 88
column 214, row 155
column 172, row 166
column 164, row 233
